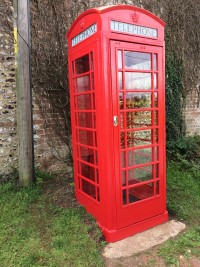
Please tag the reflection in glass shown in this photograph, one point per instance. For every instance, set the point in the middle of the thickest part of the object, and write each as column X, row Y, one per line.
column 124, row 198
column 85, row 119
column 92, row 81
column 140, row 175
column 137, row 61
column 141, row 119
column 155, row 118
column 93, row 101
column 83, row 83
column 139, row 138
column 121, row 100
column 157, row 188
column 138, row 100
column 88, row 172
column 156, row 136
column 84, row 102
column 119, row 53
column 137, row 81
column 120, row 80
column 82, row 64
column 157, row 171
column 155, row 62
column 91, row 61
column 87, row 154
column 139, row 156
column 123, row 159
column 155, row 100
column 141, row 192
column 122, row 139
column 122, row 122
column 155, row 81
column 89, row 189
column 156, row 153
column 86, row 138
column 123, row 178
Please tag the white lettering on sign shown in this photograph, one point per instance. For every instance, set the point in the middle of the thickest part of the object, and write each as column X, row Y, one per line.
column 85, row 34
column 133, row 29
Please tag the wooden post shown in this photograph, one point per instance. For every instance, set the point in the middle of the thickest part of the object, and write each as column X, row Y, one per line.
column 24, row 95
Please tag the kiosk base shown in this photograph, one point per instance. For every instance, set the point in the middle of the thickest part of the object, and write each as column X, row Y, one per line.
column 118, row 234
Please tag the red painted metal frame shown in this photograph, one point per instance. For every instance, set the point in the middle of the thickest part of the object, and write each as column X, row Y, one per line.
column 116, row 220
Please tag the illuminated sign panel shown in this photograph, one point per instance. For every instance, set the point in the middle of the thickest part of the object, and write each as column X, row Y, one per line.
column 84, row 35
column 133, row 29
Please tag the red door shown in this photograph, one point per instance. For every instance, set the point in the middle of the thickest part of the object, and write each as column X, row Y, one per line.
column 138, row 124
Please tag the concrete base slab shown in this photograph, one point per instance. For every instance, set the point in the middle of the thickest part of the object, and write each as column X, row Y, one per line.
column 143, row 241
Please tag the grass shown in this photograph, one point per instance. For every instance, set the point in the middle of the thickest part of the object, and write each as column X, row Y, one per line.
column 183, row 201
column 183, row 193
column 34, row 232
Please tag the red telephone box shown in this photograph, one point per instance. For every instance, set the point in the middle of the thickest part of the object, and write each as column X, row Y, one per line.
column 117, row 92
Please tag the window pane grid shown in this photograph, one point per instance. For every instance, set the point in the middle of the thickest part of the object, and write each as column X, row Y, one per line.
column 85, row 114
column 141, row 183
column 149, row 164
column 138, row 124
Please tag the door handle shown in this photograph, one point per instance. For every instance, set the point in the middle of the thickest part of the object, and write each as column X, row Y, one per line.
column 115, row 120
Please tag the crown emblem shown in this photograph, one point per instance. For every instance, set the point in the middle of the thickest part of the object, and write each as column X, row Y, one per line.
column 135, row 17
column 82, row 24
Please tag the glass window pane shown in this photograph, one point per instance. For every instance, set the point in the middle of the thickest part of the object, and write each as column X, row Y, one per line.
column 88, row 171
column 137, row 81
column 155, row 62
column 122, row 122
column 139, row 138
column 121, row 100
column 89, row 189
column 138, row 100
column 85, row 119
column 137, row 61
column 83, row 83
column 86, row 138
column 91, row 61
column 139, row 156
column 87, row 154
column 157, row 171
column 141, row 192
column 82, row 64
column 155, row 100
column 140, row 175
column 138, row 119
column 92, row 81
column 120, row 80
column 98, row 194
column 155, row 118
column 124, row 197
column 123, row 178
column 119, row 53
column 155, row 81
column 123, row 159
column 84, row 102
column 157, row 188
column 156, row 136
column 122, row 139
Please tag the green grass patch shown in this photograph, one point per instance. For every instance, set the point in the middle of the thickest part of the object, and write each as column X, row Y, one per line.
column 186, row 245
column 34, row 232
column 183, row 193
column 183, row 201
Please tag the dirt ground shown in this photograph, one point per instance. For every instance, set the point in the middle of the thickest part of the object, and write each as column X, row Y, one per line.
column 60, row 192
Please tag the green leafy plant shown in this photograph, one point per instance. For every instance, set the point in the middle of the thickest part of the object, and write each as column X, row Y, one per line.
column 175, row 95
